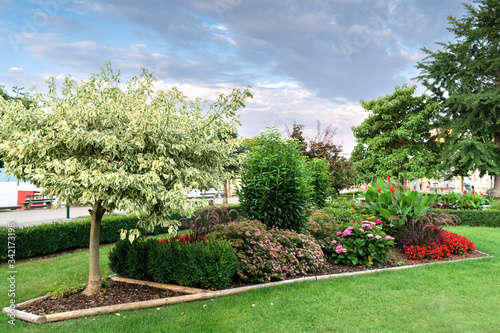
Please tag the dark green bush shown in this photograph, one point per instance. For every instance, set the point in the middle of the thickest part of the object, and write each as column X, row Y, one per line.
column 275, row 187
column 475, row 218
column 58, row 236
column 210, row 264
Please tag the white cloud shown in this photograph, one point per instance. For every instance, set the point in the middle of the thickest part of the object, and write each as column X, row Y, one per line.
column 15, row 70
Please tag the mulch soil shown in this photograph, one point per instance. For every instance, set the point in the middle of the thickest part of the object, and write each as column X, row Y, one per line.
column 120, row 292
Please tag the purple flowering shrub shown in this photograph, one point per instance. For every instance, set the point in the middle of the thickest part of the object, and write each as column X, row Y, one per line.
column 267, row 255
column 323, row 228
column 362, row 243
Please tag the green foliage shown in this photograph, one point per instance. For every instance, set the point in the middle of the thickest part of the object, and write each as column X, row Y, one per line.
column 469, row 200
column 275, row 187
column 396, row 204
column 198, row 264
column 131, row 259
column 342, row 209
column 396, row 137
column 361, row 243
column 464, row 74
column 274, row 254
column 131, row 148
column 475, row 218
column 320, row 179
column 341, row 173
column 322, row 228
column 59, row 236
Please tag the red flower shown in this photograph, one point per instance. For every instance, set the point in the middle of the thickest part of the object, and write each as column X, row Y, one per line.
column 472, row 191
column 465, row 191
column 379, row 190
column 161, row 241
column 447, row 186
column 392, row 189
column 442, row 190
column 389, row 179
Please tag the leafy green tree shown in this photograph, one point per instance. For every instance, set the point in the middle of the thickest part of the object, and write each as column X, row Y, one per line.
column 275, row 184
column 20, row 96
column 396, row 137
column 320, row 180
column 322, row 146
column 119, row 148
column 465, row 76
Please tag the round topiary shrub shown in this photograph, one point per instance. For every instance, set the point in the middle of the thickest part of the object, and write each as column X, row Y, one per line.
column 275, row 183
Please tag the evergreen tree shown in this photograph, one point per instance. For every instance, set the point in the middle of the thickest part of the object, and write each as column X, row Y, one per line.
column 465, row 76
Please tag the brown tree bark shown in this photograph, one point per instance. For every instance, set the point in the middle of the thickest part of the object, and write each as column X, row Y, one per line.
column 94, row 284
column 496, row 186
column 225, row 195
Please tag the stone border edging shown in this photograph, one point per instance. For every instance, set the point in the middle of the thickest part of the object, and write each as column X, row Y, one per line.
column 195, row 294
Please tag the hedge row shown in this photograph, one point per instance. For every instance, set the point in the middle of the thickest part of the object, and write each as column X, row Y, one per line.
column 210, row 264
column 53, row 237
column 475, row 218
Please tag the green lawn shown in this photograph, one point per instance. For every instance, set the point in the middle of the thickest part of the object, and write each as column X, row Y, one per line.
column 452, row 297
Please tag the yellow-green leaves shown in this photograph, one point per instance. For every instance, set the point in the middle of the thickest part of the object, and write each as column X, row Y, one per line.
column 133, row 148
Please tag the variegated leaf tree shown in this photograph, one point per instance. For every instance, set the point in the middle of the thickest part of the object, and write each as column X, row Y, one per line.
column 119, row 147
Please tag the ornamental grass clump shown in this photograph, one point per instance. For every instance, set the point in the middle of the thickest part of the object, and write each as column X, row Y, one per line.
column 270, row 255
column 361, row 244
column 205, row 221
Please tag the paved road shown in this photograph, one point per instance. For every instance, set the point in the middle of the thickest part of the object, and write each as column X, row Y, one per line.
column 24, row 218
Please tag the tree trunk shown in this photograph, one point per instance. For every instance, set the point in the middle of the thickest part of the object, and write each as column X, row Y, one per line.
column 225, row 196
column 94, row 284
column 496, row 186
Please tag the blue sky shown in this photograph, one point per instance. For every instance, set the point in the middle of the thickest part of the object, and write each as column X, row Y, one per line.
column 306, row 60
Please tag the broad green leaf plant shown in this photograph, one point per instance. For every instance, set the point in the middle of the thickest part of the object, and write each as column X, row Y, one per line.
column 119, row 146
column 395, row 203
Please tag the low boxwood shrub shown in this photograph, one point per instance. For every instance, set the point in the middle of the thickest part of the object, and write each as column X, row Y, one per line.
column 475, row 218
column 267, row 255
column 362, row 243
column 205, row 264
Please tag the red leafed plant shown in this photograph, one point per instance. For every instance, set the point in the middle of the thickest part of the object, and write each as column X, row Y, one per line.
column 186, row 239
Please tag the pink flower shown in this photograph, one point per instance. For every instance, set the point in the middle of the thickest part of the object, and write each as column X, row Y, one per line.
column 339, row 233
column 347, row 232
column 361, row 229
column 378, row 237
column 248, row 233
column 340, row 249
column 333, row 242
column 389, row 237
column 350, row 228
column 369, row 235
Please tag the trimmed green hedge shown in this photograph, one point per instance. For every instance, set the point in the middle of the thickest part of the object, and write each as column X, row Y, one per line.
column 207, row 265
column 475, row 218
column 53, row 237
